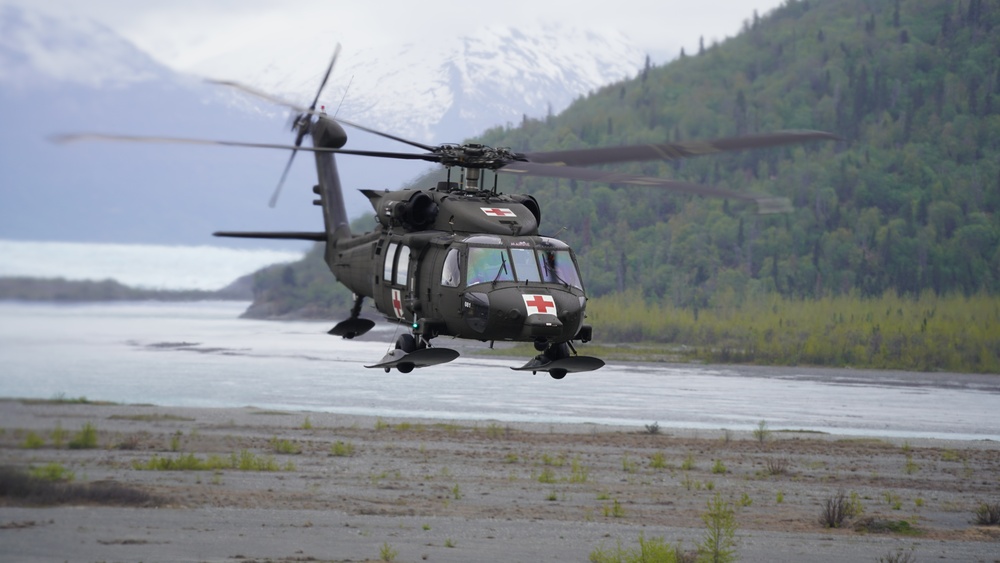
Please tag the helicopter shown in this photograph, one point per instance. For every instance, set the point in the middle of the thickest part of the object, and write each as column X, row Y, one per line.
column 461, row 258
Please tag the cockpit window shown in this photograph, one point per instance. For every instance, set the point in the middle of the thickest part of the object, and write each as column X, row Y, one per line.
column 488, row 265
column 557, row 267
column 451, row 273
column 525, row 261
column 390, row 255
column 525, row 267
column 402, row 265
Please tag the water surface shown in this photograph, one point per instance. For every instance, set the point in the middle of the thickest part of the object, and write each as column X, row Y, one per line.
column 202, row 354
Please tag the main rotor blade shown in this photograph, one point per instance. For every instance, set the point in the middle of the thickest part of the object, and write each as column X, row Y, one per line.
column 326, row 76
column 263, row 95
column 766, row 203
column 674, row 151
column 428, row 148
column 78, row 137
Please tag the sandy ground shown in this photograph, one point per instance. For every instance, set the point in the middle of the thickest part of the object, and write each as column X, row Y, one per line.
column 421, row 490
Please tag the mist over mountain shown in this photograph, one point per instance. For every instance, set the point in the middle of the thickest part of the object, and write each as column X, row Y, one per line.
column 70, row 75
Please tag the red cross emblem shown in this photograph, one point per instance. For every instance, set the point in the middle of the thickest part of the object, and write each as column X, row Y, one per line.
column 498, row 212
column 397, row 303
column 539, row 304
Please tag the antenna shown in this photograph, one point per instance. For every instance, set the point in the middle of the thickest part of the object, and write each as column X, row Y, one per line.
column 344, row 96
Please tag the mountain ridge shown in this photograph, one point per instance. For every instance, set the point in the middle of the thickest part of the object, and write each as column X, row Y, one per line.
column 65, row 75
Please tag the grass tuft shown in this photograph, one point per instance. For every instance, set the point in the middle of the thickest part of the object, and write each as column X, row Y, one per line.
column 242, row 461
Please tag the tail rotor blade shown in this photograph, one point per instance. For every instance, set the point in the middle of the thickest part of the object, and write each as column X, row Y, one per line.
column 301, row 125
column 281, row 182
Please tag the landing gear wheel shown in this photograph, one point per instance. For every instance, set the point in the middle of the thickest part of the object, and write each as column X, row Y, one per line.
column 405, row 367
column 406, row 343
column 557, row 373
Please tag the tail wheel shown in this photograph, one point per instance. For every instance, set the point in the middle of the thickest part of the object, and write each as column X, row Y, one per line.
column 557, row 373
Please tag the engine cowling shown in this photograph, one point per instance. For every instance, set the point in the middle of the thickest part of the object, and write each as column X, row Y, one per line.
column 415, row 213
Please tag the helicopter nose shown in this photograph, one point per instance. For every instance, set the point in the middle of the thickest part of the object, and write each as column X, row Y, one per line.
column 524, row 313
column 541, row 316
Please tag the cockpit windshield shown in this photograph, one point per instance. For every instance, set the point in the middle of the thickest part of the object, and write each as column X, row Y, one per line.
column 557, row 267
column 488, row 265
column 545, row 260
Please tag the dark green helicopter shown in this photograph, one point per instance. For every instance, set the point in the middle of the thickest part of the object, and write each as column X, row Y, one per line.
column 462, row 259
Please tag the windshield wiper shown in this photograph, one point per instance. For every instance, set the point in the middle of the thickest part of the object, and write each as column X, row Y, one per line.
column 501, row 270
column 551, row 272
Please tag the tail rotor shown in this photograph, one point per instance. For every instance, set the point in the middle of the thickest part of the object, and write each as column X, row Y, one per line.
column 301, row 125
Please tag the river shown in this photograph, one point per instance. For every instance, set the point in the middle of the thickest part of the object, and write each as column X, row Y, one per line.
column 202, row 354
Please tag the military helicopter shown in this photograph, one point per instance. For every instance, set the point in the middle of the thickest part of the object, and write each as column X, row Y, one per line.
column 461, row 258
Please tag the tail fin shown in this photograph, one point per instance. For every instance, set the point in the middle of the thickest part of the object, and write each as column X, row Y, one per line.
column 327, row 133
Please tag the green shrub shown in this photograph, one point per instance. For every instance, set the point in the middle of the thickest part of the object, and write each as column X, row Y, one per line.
column 242, row 461
column 85, row 439
column 342, row 449
column 658, row 461
column 387, row 553
column 719, row 542
column 761, row 433
column 283, row 446
column 653, row 550
column 59, row 436
column 32, row 441
column 51, row 472
column 988, row 514
column 547, row 476
column 615, row 509
column 688, row 463
column 578, row 473
column 838, row 508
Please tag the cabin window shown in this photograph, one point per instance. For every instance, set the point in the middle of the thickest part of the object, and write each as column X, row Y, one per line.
column 402, row 265
column 557, row 267
column 525, row 267
column 451, row 273
column 390, row 255
column 488, row 265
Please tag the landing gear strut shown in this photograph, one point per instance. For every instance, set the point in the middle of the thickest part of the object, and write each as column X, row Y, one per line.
column 412, row 351
column 354, row 326
column 407, row 344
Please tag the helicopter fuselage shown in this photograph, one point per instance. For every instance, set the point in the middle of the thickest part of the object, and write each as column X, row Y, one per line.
column 465, row 263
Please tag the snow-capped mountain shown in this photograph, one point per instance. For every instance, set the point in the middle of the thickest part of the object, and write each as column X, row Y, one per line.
column 442, row 89
column 36, row 49
column 69, row 74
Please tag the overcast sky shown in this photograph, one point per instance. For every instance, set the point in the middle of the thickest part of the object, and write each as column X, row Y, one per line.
column 181, row 33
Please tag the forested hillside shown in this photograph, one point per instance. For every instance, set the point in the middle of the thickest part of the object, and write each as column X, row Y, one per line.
column 894, row 240
column 907, row 202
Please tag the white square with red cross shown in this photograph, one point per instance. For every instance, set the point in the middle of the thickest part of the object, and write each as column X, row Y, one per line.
column 498, row 212
column 397, row 303
column 539, row 304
